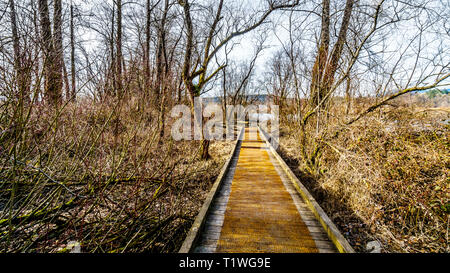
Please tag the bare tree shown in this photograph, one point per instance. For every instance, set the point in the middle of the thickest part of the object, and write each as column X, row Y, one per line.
column 346, row 56
column 22, row 77
column 72, row 55
column 119, row 55
column 325, row 67
column 322, row 54
column 148, row 12
column 162, row 66
column 52, row 85
column 58, row 44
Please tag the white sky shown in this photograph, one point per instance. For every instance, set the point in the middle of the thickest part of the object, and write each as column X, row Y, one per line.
column 245, row 49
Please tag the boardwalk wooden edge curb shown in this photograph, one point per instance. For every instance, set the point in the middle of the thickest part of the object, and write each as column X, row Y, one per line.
column 333, row 233
column 197, row 226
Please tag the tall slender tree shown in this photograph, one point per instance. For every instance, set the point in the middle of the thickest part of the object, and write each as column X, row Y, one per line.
column 196, row 78
column 326, row 64
column 162, row 66
column 58, row 44
column 322, row 55
column 20, row 74
column 336, row 53
column 147, row 48
column 72, row 55
column 119, row 56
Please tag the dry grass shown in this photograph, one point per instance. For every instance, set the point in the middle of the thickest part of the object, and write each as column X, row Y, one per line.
column 385, row 178
column 97, row 173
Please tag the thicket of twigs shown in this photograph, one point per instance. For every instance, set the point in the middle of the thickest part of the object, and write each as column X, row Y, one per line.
column 98, row 174
column 385, row 177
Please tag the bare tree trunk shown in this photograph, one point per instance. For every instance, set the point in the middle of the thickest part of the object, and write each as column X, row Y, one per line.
column 147, row 49
column 190, row 89
column 224, row 99
column 119, row 50
column 66, row 81
column 52, row 90
column 325, row 68
column 337, row 49
column 292, row 60
column 348, row 95
column 161, row 49
column 37, row 46
column 180, row 83
column 112, row 70
column 72, row 56
column 22, row 78
column 194, row 90
column 16, row 45
column 162, row 68
column 322, row 55
column 58, row 45
column 205, row 149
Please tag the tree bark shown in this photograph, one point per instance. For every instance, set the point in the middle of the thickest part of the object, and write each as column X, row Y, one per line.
column 147, row 49
column 119, row 91
column 22, row 78
column 322, row 55
column 188, row 52
column 336, row 53
column 112, row 71
column 325, row 67
column 348, row 95
column 162, row 68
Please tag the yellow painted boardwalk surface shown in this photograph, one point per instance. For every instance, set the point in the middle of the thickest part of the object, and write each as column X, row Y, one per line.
column 257, row 211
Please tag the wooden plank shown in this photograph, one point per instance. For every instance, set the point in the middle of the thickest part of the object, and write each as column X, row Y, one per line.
column 325, row 244
column 204, row 249
column 333, row 233
column 261, row 215
column 315, row 228
column 197, row 226
column 212, row 229
column 321, row 236
column 212, row 223
column 217, row 221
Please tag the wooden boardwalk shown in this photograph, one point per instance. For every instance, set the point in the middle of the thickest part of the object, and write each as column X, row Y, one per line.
column 257, row 209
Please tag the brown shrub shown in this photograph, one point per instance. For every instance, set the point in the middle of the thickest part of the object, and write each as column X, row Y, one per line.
column 97, row 173
column 385, row 178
